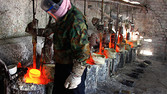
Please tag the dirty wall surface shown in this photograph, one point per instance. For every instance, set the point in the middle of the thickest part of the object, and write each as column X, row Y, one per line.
column 16, row 14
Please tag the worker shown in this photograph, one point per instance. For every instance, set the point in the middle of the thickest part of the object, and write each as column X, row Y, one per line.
column 70, row 44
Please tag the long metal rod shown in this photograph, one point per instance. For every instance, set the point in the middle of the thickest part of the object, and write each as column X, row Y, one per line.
column 102, row 10
column 34, row 37
column 85, row 7
column 116, row 29
column 127, row 12
column 110, row 12
column 33, row 9
column 132, row 15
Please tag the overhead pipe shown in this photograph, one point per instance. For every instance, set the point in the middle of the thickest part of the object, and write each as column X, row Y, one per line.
column 119, row 2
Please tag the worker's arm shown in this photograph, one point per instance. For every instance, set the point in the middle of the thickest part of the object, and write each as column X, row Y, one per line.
column 81, row 52
column 44, row 32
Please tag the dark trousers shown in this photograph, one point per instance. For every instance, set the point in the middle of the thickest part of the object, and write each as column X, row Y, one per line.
column 62, row 71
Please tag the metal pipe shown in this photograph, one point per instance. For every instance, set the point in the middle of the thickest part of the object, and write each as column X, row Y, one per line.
column 132, row 15
column 127, row 12
column 120, row 2
column 33, row 2
column 116, row 29
column 34, row 37
column 102, row 11
column 85, row 7
column 110, row 13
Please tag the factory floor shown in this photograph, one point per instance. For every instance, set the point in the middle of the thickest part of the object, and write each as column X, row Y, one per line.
column 153, row 80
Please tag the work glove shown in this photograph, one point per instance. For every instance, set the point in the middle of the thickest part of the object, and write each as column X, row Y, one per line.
column 31, row 28
column 74, row 79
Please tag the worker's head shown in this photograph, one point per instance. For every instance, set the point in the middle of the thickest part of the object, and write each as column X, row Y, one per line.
column 56, row 8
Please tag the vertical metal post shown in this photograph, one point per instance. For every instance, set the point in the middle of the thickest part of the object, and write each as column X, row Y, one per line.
column 127, row 11
column 132, row 15
column 102, row 11
column 116, row 29
column 85, row 7
column 110, row 12
column 34, row 37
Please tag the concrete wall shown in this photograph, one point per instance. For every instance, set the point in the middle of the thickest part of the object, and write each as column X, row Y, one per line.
column 16, row 14
column 152, row 24
column 15, row 45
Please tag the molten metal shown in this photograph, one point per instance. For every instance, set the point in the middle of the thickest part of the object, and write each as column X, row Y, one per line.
column 35, row 76
column 34, row 73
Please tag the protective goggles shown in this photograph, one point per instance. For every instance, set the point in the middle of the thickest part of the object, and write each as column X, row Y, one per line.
column 50, row 7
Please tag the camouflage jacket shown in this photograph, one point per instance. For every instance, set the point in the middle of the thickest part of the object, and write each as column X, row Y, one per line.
column 70, row 38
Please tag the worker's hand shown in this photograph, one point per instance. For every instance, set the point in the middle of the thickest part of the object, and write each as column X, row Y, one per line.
column 31, row 28
column 72, row 81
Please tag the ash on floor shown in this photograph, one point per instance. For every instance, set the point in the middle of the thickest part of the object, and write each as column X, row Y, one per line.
column 150, row 78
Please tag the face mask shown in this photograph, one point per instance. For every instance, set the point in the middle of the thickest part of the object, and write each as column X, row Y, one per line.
column 56, row 10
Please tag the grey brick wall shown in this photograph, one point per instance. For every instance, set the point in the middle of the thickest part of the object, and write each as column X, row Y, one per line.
column 152, row 24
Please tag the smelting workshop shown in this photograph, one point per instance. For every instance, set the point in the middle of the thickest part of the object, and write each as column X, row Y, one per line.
column 83, row 46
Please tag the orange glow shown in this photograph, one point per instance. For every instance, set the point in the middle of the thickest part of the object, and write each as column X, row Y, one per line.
column 34, row 73
column 34, row 55
column 120, row 38
column 19, row 65
column 130, row 43
column 100, row 47
column 90, row 61
column 106, row 56
column 110, row 41
column 35, row 76
column 117, row 49
column 118, row 41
